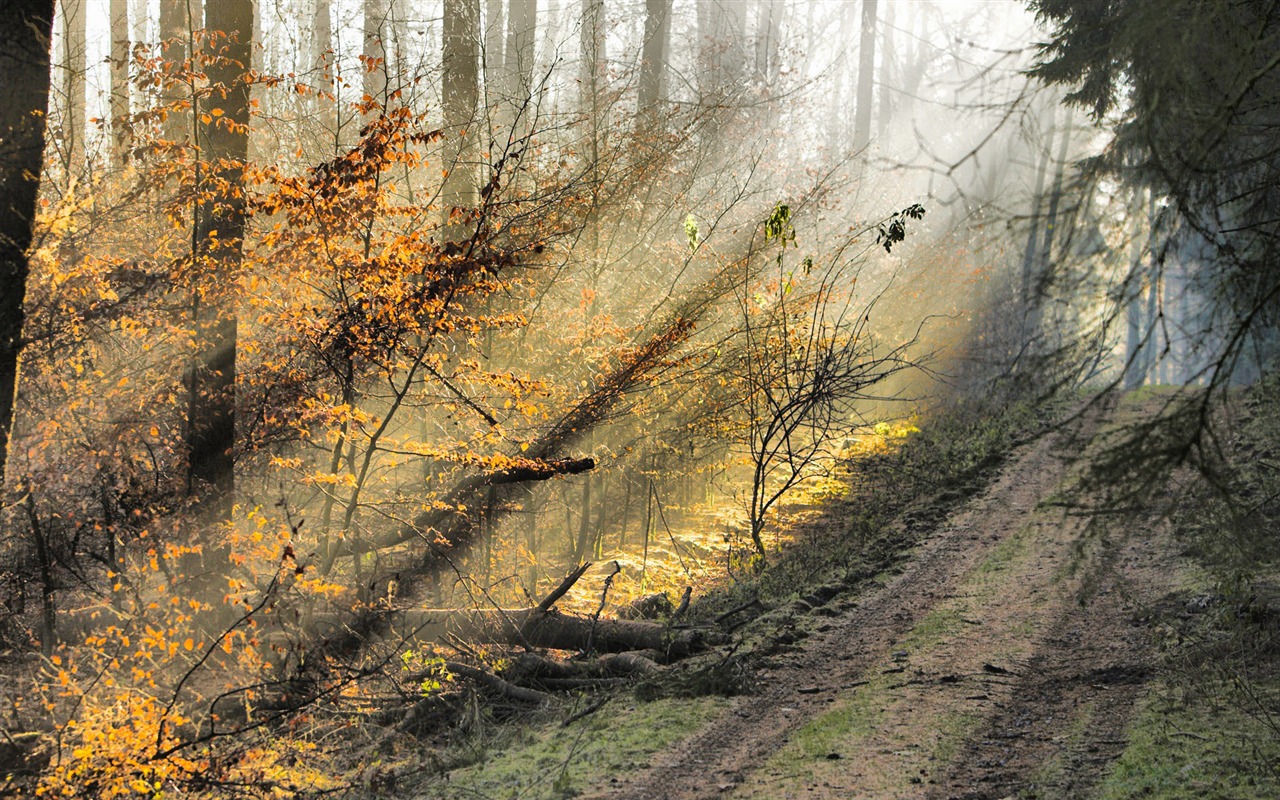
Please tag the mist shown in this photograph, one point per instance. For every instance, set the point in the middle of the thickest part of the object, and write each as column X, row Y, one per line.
column 379, row 308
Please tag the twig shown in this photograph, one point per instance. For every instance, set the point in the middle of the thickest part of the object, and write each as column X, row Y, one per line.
column 604, row 596
column 565, row 586
column 684, row 603
column 586, row 712
column 752, row 603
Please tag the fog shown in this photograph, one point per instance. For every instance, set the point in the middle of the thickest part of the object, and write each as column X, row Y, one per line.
column 612, row 167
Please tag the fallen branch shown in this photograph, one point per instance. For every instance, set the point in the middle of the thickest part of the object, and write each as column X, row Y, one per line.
column 541, row 471
column 505, row 688
column 548, row 629
column 564, row 587
column 684, row 603
column 752, row 603
column 586, row 712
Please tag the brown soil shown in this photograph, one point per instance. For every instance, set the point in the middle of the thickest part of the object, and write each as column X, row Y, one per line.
column 1004, row 660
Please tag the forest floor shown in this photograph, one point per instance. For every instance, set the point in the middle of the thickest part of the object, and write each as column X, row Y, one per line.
column 1010, row 655
column 1006, row 656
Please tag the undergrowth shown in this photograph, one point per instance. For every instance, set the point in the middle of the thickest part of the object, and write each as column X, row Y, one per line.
column 932, row 469
column 927, row 472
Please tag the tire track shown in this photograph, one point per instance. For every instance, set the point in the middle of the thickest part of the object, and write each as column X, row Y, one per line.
column 863, row 634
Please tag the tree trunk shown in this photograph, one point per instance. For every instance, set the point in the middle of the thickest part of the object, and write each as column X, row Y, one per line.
column 626, row 509
column 119, row 11
column 376, row 34
column 461, row 55
column 495, row 37
column 836, row 122
column 653, row 54
column 1030, row 265
column 178, row 18
column 321, row 36
column 592, row 78
column 768, row 44
column 26, row 30
column 74, row 46
column 1055, row 194
column 1134, row 334
column 219, row 237
column 138, row 20
column 886, row 68
column 322, row 60
column 584, row 523
column 522, row 20
column 866, row 78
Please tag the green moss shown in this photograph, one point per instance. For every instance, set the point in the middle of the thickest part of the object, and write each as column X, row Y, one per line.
column 549, row 761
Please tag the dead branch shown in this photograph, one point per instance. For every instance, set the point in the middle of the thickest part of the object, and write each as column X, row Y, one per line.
column 505, row 688
column 563, row 588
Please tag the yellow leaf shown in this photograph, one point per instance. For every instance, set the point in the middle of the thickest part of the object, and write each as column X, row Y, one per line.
column 189, row 643
column 155, row 431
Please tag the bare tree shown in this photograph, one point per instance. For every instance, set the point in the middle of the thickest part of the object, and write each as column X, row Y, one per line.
column 807, row 358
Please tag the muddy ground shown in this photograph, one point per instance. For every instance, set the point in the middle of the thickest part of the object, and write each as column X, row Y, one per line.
column 1003, row 660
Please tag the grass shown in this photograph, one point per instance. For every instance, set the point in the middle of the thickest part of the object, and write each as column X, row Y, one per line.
column 1195, row 749
column 544, row 761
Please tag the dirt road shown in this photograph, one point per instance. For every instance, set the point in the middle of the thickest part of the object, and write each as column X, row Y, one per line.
column 1003, row 660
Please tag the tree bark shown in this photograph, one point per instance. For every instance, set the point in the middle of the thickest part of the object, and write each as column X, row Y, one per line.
column 866, row 78
column 178, row 18
column 1030, row 270
column 522, row 16
column 461, row 54
column 376, row 34
column 321, row 36
column 653, row 54
column 533, row 627
column 1055, row 194
column 495, row 33
column 1134, row 289
column 72, row 26
column 886, row 66
column 219, row 237
column 768, row 41
column 119, row 10
column 26, row 30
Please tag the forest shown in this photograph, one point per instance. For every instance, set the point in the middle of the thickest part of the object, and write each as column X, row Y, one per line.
column 639, row 398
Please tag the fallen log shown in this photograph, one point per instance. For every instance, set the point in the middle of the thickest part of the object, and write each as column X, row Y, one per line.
column 537, row 628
